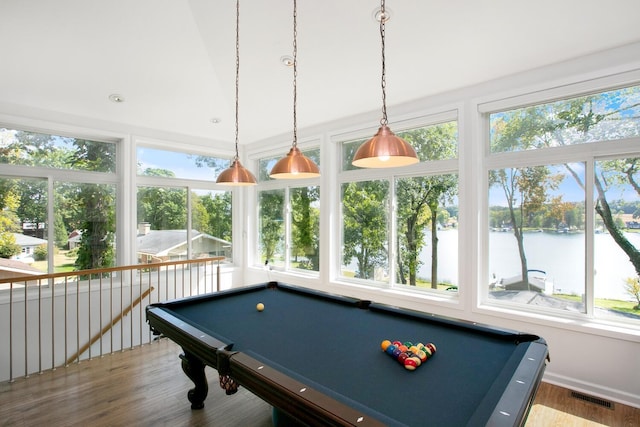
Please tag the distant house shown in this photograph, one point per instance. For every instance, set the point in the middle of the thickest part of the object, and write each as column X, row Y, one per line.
column 28, row 246
column 74, row 239
column 171, row 245
column 11, row 268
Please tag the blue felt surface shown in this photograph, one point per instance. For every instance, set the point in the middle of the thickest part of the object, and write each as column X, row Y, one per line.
column 337, row 346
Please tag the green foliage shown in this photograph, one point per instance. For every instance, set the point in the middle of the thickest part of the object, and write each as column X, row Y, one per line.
column 218, row 220
column 96, row 249
column 8, row 245
column 163, row 208
column 271, row 223
column 364, row 233
column 305, row 226
column 632, row 287
column 61, row 235
column 40, row 253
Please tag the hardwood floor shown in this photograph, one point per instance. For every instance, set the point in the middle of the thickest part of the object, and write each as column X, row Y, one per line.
column 146, row 387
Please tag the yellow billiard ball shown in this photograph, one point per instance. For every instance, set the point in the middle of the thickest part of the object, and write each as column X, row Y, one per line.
column 260, row 306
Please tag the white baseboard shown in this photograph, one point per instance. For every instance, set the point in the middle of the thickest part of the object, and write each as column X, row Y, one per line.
column 595, row 390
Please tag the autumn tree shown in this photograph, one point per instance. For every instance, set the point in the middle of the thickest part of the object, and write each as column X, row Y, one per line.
column 525, row 190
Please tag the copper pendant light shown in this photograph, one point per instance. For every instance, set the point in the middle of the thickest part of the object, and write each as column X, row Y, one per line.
column 236, row 174
column 385, row 149
column 295, row 165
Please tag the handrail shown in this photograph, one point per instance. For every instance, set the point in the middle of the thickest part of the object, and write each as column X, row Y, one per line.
column 107, row 328
column 109, row 269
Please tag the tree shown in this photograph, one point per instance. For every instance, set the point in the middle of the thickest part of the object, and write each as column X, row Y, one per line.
column 600, row 117
column 164, row 208
column 305, row 225
column 33, row 206
column 419, row 200
column 9, row 202
column 95, row 249
column 525, row 191
column 271, row 223
column 97, row 202
column 218, row 207
column 8, row 245
column 364, row 215
column 578, row 115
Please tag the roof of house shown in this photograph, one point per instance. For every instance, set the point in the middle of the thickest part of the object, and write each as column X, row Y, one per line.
column 17, row 266
column 160, row 241
column 24, row 240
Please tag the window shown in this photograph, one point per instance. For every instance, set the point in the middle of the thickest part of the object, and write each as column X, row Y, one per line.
column 617, row 235
column 396, row 229
column 606, row 116
column 180, row 212
column 74, row 177
column 288, row 219
column 536, row 214
column 551, row 245
column 43, row 150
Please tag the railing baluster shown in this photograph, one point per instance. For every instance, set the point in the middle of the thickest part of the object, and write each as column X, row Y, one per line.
column 26, row 343
column 35, row 324
column 66, row 316
column 52, row 284
column 77, row 315
column 11, row 332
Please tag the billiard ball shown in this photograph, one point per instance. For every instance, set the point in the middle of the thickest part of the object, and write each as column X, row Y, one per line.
column 260, row 306
column 402, row 357
column 385, row 344
column 410, row 364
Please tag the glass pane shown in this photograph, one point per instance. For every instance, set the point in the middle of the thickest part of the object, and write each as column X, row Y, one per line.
column 604, row 116
column 174, row 164
column 271, row 228
column 266, row 164
column 162, row 224
column 427, row 212
column 38, row 149
column 89, row 214
column 23, row 223
column 211, row 218
column 365, row 230
column 537, row 242
column 305, row 228
column 434, row 142
column 617, row 238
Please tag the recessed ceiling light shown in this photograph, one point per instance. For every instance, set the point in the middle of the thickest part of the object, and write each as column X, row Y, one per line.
column 286, row 60
column 116, row 98
column 215, row 120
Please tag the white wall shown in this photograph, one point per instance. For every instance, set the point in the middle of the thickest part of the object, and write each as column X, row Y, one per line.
column 587, row 355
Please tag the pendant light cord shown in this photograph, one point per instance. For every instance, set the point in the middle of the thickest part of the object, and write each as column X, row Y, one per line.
column 295, row 72
column 237, row 157
column 383, row 83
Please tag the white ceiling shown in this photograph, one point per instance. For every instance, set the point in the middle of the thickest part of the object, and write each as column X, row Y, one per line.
column 174, row 60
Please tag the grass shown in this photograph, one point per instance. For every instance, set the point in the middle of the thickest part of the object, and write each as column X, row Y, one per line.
column 609, row 304
column 62, row 263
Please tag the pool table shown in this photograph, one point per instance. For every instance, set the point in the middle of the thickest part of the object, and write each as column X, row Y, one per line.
column 317, row 358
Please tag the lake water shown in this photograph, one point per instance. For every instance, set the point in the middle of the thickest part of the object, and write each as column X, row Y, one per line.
column 561, row 256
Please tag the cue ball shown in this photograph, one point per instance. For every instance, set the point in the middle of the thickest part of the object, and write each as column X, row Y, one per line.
column 260, row 306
